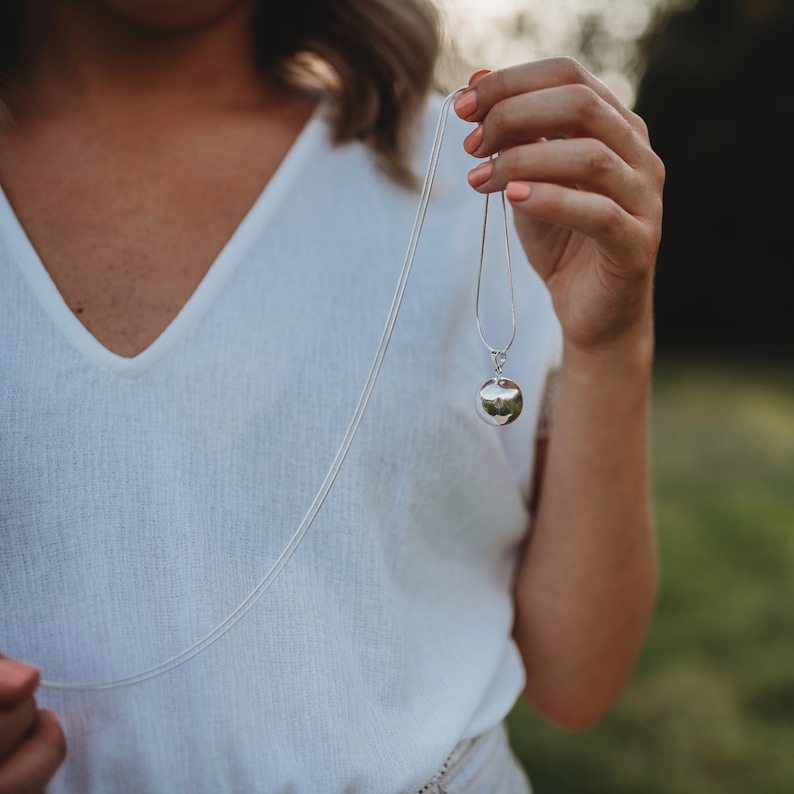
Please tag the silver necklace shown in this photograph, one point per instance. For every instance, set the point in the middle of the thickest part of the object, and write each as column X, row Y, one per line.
column 496, row 398
column 499, row 400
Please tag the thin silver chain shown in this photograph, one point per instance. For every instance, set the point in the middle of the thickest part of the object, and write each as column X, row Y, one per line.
column 308, row 519
column 499, row 355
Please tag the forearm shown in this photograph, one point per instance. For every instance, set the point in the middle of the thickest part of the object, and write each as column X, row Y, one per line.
column 587, row 207
column 587, row 582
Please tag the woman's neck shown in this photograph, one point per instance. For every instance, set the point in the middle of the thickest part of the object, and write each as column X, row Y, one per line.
column 112, row 64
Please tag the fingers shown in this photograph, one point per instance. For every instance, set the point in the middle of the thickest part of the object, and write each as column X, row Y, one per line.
column 31, row 766
column 545, row 73
column 571, row 111
column 16, row 722
column 618, row 234
column 553, row 98
column 17, row 681
column 586, row 163
column 602, row 180
column 32, row 744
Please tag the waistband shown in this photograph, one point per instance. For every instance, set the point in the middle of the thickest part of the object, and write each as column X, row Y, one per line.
column 482, row 765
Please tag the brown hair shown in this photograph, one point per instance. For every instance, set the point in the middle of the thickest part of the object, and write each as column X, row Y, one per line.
column 376, row 58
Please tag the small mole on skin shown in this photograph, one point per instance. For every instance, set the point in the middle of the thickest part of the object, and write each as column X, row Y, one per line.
column 78, row 310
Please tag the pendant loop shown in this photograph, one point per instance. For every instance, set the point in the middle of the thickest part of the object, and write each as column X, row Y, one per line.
column 499, row 400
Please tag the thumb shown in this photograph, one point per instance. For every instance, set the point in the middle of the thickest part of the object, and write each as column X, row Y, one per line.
column 18, row 680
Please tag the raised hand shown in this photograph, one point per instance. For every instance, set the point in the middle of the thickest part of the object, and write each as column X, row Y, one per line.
column 586, row 189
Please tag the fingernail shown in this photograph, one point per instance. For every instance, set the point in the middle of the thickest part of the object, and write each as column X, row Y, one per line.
column 15, row 674
column 466, row 104
column 518, row 191
column 477, row 74
column 481, row 174
column 473, row 141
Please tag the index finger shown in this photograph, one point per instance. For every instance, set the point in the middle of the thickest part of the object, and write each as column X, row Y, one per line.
column 18, row 681
column 493, row 87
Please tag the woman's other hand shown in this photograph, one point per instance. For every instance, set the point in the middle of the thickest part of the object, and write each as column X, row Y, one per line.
column 586, row 189
column 32, row 744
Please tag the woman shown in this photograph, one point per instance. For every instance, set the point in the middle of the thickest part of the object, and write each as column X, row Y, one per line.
column 199, row 247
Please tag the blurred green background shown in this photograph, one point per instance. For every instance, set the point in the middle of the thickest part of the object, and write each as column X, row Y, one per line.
column 710, row 709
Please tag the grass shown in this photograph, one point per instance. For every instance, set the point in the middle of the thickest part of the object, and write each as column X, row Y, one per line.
column 710, row 709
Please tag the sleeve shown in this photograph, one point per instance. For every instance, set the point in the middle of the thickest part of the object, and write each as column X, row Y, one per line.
column 548, row 403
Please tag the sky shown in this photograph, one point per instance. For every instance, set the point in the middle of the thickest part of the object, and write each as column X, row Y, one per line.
column 494, row 33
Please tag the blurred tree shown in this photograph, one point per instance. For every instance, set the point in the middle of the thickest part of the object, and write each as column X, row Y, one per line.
column 717, row 94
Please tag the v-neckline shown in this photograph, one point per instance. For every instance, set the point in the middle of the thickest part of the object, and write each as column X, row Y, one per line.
column 200, row 301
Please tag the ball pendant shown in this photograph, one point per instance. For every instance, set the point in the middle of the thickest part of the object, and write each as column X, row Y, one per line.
column 499, row 401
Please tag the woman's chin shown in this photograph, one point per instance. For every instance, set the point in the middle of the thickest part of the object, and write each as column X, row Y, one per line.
column 173, row 14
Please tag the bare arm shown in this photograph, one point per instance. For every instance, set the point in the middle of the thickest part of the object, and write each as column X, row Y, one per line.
column 586, row 189
column 587, row 582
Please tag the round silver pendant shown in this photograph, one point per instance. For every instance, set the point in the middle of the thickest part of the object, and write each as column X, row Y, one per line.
column 499, row 401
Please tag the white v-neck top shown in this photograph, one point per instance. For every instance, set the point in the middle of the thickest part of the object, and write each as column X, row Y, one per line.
column 142, row 499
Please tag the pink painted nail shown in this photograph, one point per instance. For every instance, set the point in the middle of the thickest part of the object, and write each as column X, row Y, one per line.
column 466, row 104
column 518, row 191
column 481, row 174
column 473, row 141
column 478, row 74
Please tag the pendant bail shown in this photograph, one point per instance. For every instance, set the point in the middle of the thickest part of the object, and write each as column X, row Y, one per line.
column 498, row 357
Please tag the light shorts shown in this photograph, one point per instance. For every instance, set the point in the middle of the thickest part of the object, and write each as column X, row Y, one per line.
column 482, row 765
